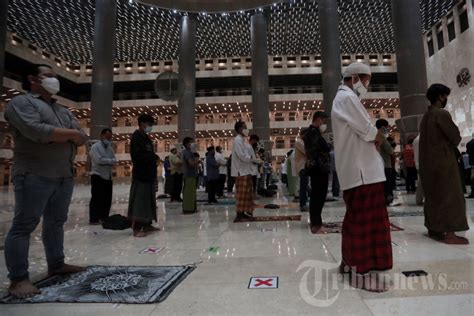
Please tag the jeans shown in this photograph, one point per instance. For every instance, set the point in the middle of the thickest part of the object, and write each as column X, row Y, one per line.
column 101, row 198
column 37, row 196
column 319, row 191
column 303, row 188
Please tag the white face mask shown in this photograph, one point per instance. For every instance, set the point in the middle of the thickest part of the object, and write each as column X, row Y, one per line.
column 323, row 128
column 193, row 147
column 359, row 88
column 245, row 132
column 51, row 85
column 148, row 129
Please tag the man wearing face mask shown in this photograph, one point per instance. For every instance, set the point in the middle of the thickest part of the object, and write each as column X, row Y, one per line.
column 103, row 160
column 366, row 242
column 142, row 201
column 318, row 163
column 243, row 157
column 445, row 206
column 46, row 137
column 190, row 172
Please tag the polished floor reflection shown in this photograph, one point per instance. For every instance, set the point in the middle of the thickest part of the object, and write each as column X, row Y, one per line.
column 228, row 255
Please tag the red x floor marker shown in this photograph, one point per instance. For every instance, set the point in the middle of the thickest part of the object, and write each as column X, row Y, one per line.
column 263, row 283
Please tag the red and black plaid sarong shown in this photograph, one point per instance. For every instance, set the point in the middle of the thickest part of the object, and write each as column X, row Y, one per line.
column 366, row 242
column 244, row 194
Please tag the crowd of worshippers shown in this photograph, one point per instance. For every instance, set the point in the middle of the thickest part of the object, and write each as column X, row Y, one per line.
column 361, row 162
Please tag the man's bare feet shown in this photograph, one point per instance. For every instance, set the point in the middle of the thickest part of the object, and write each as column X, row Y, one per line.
column 23, row 289
column 453, row 239
column 315, row 228
column 139, row 234
column 370, row 282
column 66, row 269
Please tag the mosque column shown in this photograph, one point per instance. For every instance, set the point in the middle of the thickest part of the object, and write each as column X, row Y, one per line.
column 187, row 77
column 411, row 65
column 3, row 37
column 330, row 51
column 103, row 66
column 260, row 98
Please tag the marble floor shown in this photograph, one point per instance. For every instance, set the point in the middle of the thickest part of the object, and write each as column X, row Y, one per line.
column 305, row 264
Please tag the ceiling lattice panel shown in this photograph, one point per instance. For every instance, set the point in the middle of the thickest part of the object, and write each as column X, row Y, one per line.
column 65, row 28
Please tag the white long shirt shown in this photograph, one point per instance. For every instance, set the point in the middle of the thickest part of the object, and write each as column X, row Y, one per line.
column 102, row 160
column 357, row 160
column 241, row 158
column 222, row 161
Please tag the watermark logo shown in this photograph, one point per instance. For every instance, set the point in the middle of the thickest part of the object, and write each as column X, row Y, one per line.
column 321, row 283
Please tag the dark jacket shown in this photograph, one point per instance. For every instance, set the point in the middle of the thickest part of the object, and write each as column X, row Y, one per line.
column 317, row 151
column 143, row 156
column 212, row 167
column 470, row 152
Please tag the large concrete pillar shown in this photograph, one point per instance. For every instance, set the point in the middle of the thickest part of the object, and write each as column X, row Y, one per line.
column 187, row 78
column 411, row 65
column 3, row 37
column 260, row 108
column 103, row 66
column 330, row 51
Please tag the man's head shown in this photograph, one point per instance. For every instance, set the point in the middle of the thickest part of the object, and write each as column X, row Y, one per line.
column 41, row 79
column 254, row 139
column 357, row 77
column 241, row 128
column 146, row 122
column 382, row 125
column 187, row 142
column 219, row 149
column 438, row 94
column 106, row 134
column 319, row 120
column 211, row 150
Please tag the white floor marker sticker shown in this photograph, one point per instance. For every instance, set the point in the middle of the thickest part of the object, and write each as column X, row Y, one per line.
column 263, row 283
column 151, row 250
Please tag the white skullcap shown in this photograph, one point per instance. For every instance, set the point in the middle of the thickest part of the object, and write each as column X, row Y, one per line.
column 356, row 68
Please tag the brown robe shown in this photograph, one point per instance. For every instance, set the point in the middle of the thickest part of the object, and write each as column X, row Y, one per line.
column 445, row 206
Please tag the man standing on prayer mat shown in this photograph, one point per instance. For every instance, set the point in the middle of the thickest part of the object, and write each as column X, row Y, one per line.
column 366, row 241
column 445, row 206
column 46, row 137
column 242, row 160
column 142, row 201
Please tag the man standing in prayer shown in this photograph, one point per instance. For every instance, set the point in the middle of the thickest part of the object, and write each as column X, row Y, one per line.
column 387, row 152
column 409, row 160
column 176, row 167
column 242, row 170
column 102, row 161
column 222, row 171
column 445, row 206
column 318, row 166
column 142, row 201
column 300, row 166
column 366, row 242
column 212, row 175
column 190, row 173
column 46, row 137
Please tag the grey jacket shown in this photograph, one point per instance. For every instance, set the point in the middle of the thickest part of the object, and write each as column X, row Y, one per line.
column 32, row 121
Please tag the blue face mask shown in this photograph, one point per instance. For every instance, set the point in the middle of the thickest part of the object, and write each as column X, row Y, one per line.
column 148, row 129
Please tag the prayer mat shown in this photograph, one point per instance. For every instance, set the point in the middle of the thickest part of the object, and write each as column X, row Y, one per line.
column 336, row 227
column 281, row 218
column 102, row 284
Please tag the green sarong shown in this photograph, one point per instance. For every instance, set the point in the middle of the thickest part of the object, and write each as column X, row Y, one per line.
column 142, row 201
column 189, row 194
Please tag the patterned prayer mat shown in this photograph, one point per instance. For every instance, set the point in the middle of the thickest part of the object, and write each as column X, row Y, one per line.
column 336, row 227
column 281, row 218
column 101, row 284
